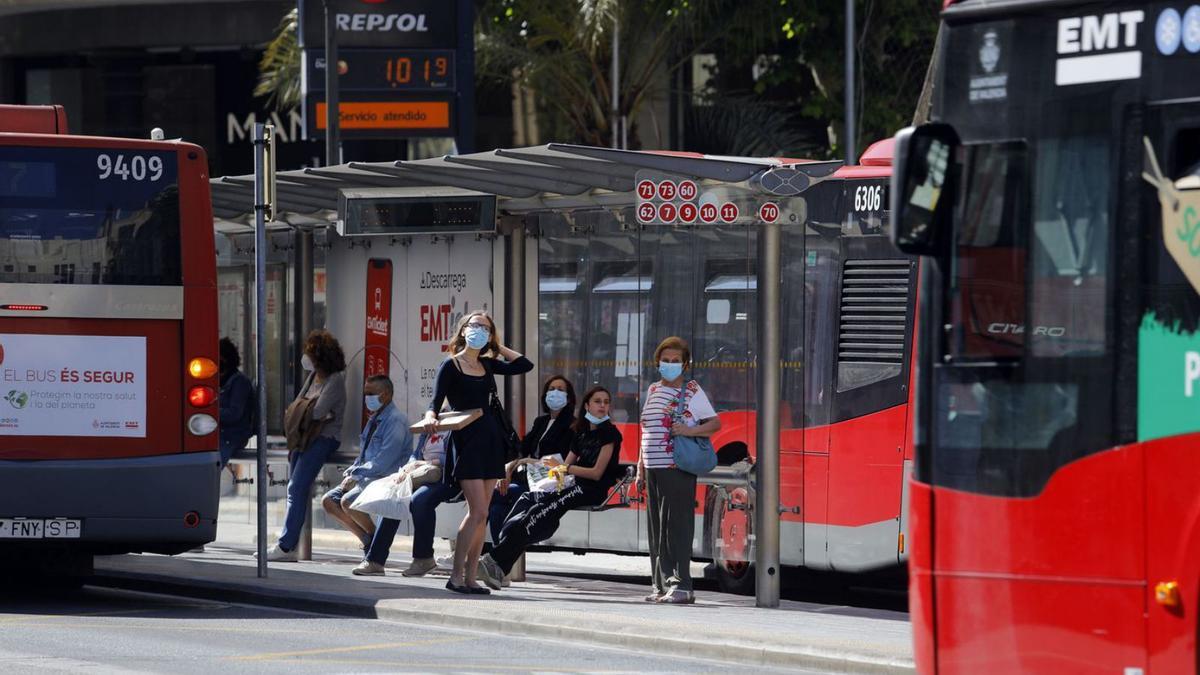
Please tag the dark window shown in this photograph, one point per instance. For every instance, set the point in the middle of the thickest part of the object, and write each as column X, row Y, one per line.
column 111, row 210
column 1027, row 380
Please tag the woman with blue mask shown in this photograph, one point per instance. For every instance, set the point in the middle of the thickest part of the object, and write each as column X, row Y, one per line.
column 551, row 434
column 466, row 380
column 672, row 408
column 593, row 464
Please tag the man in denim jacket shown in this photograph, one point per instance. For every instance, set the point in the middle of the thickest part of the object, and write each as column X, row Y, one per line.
column 386, row 443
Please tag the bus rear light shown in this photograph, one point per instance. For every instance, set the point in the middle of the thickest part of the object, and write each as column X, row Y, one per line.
column 202, row 425
column 24, row 308
column 191, row 519
column 201, row 397
column 202, row 368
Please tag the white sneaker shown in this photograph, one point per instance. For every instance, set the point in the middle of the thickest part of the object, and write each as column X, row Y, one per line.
column 276, row 554
column 367, row 568
column 677, row 597
column 446, row 562
column 419, row 567
column 506, row 581
column 489, row 572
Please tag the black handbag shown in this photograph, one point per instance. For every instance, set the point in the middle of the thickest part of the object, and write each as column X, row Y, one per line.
column 512, row 442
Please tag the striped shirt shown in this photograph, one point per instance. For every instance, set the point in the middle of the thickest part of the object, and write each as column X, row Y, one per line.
column 661, row 411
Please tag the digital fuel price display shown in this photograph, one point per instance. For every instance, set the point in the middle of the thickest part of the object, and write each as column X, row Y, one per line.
column 385, row 70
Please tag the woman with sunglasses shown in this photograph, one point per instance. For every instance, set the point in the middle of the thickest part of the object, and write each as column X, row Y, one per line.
column 466, row 380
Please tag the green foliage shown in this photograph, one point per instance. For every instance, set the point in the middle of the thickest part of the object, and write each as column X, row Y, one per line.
column 279, row 68
column 895, row 42
column 562, row 49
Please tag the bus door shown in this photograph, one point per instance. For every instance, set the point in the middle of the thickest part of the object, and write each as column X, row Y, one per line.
column 1168, row 370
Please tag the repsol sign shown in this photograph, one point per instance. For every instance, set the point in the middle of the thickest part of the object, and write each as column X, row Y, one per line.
column 381, row 23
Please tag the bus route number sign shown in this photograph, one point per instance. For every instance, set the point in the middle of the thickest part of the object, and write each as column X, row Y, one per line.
column 646, row 213
column 768, row 212
column 729, row 212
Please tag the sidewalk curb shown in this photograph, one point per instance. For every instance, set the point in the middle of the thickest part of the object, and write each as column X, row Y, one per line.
column 812, row 659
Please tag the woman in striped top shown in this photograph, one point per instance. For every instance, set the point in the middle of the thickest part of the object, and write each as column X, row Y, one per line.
column 672, row 408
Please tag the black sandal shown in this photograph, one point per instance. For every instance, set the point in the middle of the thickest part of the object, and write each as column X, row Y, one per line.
column 478, row 590
column 465, row 590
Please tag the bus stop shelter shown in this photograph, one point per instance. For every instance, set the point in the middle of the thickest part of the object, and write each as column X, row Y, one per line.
column 579, row 188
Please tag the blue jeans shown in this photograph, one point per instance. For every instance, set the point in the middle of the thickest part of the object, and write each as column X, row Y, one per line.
column 424, row 516
column 305, row 467
column 230, row 445
column 501, row 505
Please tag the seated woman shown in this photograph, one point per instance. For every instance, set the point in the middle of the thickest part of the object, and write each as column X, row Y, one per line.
column 595, row 463
column 551, row 434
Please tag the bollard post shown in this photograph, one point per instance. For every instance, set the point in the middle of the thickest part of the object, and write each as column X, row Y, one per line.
column 766, row 509
column 303, row 269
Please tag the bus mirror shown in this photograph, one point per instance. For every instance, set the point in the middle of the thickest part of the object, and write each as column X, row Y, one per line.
column 922, row 187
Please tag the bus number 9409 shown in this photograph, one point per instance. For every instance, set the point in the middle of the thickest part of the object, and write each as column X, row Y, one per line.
column 137, row 167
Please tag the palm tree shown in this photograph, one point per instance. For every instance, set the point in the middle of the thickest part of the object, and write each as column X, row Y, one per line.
column 279, row 68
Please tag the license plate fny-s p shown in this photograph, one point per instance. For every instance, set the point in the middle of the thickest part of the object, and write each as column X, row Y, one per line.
column 40, row 528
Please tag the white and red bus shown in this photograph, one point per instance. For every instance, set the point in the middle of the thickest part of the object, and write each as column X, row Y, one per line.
column 1057, row 484
column 608, row 293
column 108, row 344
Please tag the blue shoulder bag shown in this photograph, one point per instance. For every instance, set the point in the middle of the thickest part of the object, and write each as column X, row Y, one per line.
column 693, row 454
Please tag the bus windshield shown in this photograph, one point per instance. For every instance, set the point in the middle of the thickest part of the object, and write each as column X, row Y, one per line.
column 89, row 216
column 1027, row 314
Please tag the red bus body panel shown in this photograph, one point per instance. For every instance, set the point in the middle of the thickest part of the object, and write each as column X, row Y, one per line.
column 33, row 119
column 1058, row 584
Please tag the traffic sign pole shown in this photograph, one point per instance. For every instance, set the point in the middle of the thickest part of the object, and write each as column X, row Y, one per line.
column 332, row 155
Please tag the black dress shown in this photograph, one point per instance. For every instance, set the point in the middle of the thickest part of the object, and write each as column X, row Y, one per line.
column 478, row 447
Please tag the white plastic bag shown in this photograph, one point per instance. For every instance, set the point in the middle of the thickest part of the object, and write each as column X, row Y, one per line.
column 386, row 498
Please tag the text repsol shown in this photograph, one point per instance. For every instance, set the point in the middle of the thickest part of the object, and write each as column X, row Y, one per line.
column 404, row 23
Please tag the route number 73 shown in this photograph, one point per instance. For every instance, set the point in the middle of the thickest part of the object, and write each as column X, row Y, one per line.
column 868, row 198
column 137, row 167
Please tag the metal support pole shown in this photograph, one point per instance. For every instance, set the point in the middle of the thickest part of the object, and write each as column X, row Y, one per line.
column 515, row 320
column 766, row 509
column 303, row 269
column 515, row 326
column 851, row 79
column 616, row 82
column 332, row 153
column 260, row 349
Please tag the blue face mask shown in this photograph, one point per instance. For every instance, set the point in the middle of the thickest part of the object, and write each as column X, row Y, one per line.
column 373, row 402
column 556, row 400
column 595, row 420
column 670, row 371
column 477, row 338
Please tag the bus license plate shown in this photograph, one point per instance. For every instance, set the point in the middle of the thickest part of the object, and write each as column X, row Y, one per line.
column 38, row 528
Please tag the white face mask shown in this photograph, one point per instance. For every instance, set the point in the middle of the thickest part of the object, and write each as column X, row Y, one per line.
column 306, row 363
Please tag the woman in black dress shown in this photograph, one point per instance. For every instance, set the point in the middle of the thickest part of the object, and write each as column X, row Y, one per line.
column 466, row 380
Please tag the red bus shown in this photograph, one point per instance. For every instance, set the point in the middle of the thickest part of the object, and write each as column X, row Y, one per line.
column 609, row 292
column 1055, row 499
column 108, row 345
